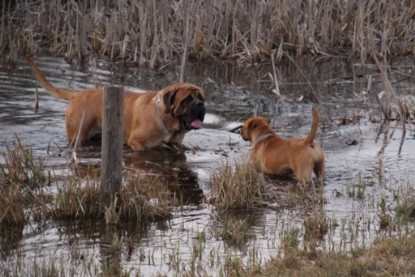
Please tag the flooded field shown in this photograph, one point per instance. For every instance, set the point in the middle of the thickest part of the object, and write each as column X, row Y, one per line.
column 369, row 164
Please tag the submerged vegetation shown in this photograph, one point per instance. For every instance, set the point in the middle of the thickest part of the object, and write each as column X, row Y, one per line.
column 155, row 33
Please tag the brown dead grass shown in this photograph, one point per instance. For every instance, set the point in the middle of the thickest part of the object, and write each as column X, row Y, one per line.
column 142, row 198
column 154, row 34
column 387, row 257
column 238, row 187
column 21, row 177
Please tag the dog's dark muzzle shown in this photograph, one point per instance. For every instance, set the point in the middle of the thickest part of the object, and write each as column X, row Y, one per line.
column 194, row 116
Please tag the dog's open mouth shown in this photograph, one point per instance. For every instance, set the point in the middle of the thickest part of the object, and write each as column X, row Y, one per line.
column 196, row 124
column 192, row 124
column 194, row 116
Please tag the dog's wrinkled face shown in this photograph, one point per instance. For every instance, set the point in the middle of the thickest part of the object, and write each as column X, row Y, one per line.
column 253, row 123
column 187, row 104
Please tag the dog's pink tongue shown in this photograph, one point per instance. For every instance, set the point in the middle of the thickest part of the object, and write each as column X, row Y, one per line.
column 196, row 123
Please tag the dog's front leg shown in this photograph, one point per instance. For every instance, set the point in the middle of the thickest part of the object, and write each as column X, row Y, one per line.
column 176, row 141
column 137, row 142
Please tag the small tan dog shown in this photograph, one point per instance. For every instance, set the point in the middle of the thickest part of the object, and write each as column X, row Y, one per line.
column 281, row 156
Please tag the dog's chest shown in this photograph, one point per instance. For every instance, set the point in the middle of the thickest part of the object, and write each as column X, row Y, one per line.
column 94, row 130
column 167, row 137
column 165, row 134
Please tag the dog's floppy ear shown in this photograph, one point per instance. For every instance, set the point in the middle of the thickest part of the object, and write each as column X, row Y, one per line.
column 252, row 125
column 168, row 99
column 260, row 121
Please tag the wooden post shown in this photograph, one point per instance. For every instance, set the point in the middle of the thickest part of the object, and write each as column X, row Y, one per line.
column 112, row 142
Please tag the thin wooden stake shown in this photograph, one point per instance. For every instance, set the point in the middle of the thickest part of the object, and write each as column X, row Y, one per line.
column 112, row 143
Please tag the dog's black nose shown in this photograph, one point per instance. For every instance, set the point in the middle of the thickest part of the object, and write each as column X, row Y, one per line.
column 199, row 103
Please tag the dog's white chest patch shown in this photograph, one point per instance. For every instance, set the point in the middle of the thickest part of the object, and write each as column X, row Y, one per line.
column 163, row 130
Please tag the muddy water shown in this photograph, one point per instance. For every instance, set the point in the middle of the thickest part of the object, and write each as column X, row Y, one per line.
column 357, row 144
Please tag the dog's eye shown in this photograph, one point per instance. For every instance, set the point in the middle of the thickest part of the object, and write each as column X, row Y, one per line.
column 187, row 101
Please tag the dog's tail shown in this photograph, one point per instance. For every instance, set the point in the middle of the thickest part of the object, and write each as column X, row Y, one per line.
column 313, row 132
column 57, row 92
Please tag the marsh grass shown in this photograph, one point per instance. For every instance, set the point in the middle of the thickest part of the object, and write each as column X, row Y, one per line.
column 358, row 188
column 12, row 205
column 387, row 257
column 405, row 204
column 238, row 187
column 21, row 167
column 78, row 199
column 47, row 269
column 290, row 239
column 22, row 176
column 303, row 194
column 141, row 198
column 316, row 225
column 385, row 218
column 152, row 34
column 145, row 198
column 235, row 231
column 386, row 222
column 233, row 267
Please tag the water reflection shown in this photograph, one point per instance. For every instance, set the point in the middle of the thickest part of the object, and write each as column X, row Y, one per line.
column 168, row 165
column 172, row 167
column 10, row 237
column 113, row 242
column 238, row 228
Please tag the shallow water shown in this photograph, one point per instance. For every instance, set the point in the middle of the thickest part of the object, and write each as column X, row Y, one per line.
column 356, row 144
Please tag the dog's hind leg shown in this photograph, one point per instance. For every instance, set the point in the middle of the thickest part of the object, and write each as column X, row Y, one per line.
column 303, row 172
column 81, row 127
column 319, row 169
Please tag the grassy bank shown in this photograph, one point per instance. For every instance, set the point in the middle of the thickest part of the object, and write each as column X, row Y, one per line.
column 387, row 257
column 155, row 33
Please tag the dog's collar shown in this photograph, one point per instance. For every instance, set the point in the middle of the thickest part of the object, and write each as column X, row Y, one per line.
column 262, row 137
column 158, row 99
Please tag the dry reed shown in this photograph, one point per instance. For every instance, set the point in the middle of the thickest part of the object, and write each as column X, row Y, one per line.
column 405, row 204
column 155, row 33
column 145, row 198
column 142, row 198
column 21, row 167
column 11, row 205
column 239, row 187
column 386, row 257
column 21, row 177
